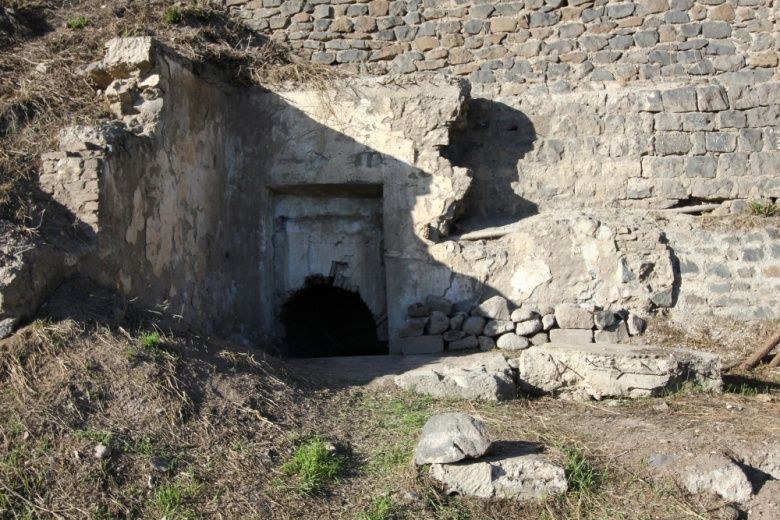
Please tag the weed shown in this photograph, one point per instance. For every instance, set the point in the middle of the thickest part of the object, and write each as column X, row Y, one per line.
column 582, row 476
column 387, row 459
column 172, row 15
column 78, row 23
column 96, row 436
column 314, row 464
column 762, row 208
column 383, row 508
column 150, row 340
column 172, row 499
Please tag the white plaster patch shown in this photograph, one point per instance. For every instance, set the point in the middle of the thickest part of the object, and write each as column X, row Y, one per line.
column 528, row 276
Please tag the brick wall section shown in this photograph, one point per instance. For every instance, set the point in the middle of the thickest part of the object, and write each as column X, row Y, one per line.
column 72, row 178
column 648, row 148
column 727, row 272
column 527, row 42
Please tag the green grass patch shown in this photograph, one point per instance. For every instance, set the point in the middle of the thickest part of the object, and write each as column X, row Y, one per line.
column 313, row 465
column 150, row 340
column 97, row 436
column 174, row 499
column 763, row 208
column 172, row 15
column 582, row 475
column 78, row 23
column 383, row 508
column 390, row 458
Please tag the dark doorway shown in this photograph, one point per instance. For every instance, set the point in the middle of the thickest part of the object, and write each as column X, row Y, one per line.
column 322, row 320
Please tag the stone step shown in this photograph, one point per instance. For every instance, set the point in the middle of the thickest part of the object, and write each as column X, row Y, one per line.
column 597, row 371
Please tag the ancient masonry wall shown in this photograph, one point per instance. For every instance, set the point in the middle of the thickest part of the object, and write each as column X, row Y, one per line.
column 653, row 103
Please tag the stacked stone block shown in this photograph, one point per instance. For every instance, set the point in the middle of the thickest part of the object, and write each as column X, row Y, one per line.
column 526, row 41
column 436, row 325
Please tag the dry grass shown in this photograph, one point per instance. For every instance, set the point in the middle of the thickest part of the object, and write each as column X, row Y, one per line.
column 227, row 421
column 42, row 90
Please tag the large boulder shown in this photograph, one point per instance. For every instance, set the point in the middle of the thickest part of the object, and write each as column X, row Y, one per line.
column 606, row 370
column 522, row 475
column 482, row 376
column 451, row 437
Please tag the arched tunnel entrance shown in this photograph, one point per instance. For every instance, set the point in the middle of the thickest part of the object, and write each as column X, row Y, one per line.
column 322, row 320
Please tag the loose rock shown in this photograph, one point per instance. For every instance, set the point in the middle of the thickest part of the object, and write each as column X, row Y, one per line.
column 496, row 327
column 495, row 308
column 464, row 343
column 571, row 316
column 474, row 325
column 718, row 474
column 528, row 327
column 438, row 323
column 512, row 341
column 451, row 437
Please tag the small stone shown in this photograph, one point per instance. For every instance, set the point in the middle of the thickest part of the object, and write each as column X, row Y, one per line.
column 486, row 343
column 413, row 327
column 453, row 335
column 495, row 308
column 418, row 310
column 474, row 325
column 636, row 325
column 528, row 327
column 604, row 319
column 101, row 451
column 540, row 338
column 616, row 333
column 663, row 406
column 438, row 322
column 523, row 314
column 456, row 321
column 159, row 464
column 572, row 316
column 451, row 437
column 548, row 322
column 437, row 303
column 465, row 343
column 718, row 474
column 497, row 327
column 512, row 341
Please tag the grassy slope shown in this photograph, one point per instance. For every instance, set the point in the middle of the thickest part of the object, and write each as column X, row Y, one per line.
column 44, row 44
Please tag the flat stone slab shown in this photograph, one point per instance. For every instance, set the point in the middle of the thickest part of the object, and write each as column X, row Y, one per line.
column 484, row 376
column 596, row 371
column 515, row 471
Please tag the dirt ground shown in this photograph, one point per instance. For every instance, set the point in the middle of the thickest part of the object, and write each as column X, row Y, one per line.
column 198, row 428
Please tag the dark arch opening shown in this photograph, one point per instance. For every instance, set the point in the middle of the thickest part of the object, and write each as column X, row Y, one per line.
column 322, row 320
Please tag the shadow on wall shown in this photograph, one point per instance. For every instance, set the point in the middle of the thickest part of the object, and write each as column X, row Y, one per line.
column 490, row 141
column 227, row 163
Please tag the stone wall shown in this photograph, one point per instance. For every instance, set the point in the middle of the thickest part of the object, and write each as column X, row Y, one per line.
column 585, row 103
column 530, row 41
column 195, row 192
column 726, row 271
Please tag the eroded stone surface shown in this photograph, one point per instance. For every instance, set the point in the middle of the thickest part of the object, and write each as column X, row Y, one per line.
column 607, row 370
column 485, row 376
column 720, row 475
column 451, row 437
column 518, row 473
